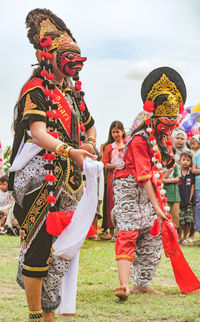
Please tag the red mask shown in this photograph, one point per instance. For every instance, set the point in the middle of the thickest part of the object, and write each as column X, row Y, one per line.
column 69, row 63
column 163, row 128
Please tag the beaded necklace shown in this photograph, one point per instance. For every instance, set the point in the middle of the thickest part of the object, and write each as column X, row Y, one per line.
column 157, row 174
column 53, row 116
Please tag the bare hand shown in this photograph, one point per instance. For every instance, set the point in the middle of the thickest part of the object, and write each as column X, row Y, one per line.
column 87, row 147
column 78, row 156
column 161, row 216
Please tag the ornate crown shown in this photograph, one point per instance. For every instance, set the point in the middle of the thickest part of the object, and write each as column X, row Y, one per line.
column 170, row 107
column 63, row 41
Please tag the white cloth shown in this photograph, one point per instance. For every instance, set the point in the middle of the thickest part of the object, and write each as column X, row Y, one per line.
column 25, row 153
column 69, row 288
column 71, row 239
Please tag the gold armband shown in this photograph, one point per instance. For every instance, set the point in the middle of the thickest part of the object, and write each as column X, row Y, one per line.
column 92, row 140
column 63, row 149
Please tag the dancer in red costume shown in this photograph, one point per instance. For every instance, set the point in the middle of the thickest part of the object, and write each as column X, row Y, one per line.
column 136, row 203
column 50, row 119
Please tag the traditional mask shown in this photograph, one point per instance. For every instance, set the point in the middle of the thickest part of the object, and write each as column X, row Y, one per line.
column 162, row 128
column 69, row 62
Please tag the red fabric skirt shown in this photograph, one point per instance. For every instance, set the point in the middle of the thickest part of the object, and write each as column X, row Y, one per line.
column 110, row 200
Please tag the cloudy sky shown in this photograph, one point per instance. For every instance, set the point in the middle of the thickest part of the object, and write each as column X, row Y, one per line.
column 123, row 41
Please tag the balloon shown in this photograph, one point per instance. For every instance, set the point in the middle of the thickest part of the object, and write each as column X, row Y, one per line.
column 189, row 108
column 190, row 121
column 193, row 131
column 196, row 108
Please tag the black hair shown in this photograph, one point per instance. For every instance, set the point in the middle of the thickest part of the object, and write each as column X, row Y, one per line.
column 115, row 124
column 4, row 178
column 187, row 154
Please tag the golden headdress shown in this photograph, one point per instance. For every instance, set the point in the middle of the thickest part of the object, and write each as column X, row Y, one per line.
column 166, row 88
column 43, row 22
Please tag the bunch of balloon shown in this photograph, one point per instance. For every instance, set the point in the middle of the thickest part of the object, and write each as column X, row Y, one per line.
column 191, row 119
column 193, row 131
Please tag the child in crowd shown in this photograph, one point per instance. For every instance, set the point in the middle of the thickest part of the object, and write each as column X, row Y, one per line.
column 195, row 147
column 196, row 172
column 4, row 200
column 186, row 191
column 111, row 158
column 195, row 143
column 6, row 207
column 170, row 180
column 180, row 138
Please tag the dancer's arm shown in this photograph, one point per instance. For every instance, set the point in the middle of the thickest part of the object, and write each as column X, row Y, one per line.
column 91, row 135
column 48, row 142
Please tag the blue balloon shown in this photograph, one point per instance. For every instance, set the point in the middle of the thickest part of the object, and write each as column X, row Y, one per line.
column 191, row 120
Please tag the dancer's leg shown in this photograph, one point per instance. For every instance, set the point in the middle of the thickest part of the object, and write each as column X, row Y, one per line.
column 123, row 272
column 148, row 254
column 33, row 288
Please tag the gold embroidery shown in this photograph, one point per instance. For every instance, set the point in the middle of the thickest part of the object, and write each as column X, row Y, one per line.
column 35, row 269
column 126, row 256
column 73, row 187
column 147, row 176
column 88, row 121
column 35, row 112
column 29, row 105
column 39, row 206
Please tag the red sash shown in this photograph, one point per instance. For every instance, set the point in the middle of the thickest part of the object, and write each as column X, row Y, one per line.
column 185, row 278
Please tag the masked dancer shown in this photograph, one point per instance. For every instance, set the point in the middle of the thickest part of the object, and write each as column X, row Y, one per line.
column 51, row 118
column 136, row 203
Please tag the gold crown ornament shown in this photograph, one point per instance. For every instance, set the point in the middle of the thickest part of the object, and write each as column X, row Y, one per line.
column 62, row 41
column 165, row 88
column 170, row 107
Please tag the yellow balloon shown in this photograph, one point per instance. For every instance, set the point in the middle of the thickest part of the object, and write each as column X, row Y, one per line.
column 196, row 108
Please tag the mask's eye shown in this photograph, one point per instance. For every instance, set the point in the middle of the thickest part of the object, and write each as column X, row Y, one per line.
column 70, row 56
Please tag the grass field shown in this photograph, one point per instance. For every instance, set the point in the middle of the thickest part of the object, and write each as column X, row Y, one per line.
column 97, row 277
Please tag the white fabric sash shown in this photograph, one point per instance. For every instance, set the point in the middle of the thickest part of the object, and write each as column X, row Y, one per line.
column 71, row 239
column 25, row 153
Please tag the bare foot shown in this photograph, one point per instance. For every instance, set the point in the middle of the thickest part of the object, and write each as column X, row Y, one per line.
column 122, row 292
column 138, row 289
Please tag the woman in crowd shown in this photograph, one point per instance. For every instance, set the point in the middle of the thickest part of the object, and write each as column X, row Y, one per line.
column 111, row 157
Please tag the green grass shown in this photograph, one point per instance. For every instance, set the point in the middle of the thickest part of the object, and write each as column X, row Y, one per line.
column 97, row 277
